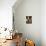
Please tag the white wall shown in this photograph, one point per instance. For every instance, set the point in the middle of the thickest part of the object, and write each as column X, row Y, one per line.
column 43, row 22
column 6, row 13
column 29, row 8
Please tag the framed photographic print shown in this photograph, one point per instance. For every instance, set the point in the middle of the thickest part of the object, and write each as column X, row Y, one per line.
column 28, row 19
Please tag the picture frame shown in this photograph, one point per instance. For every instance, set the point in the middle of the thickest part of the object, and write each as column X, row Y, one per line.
column 28, row 19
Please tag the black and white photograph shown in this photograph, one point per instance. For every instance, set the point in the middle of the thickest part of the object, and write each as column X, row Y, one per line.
column 29, row 19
